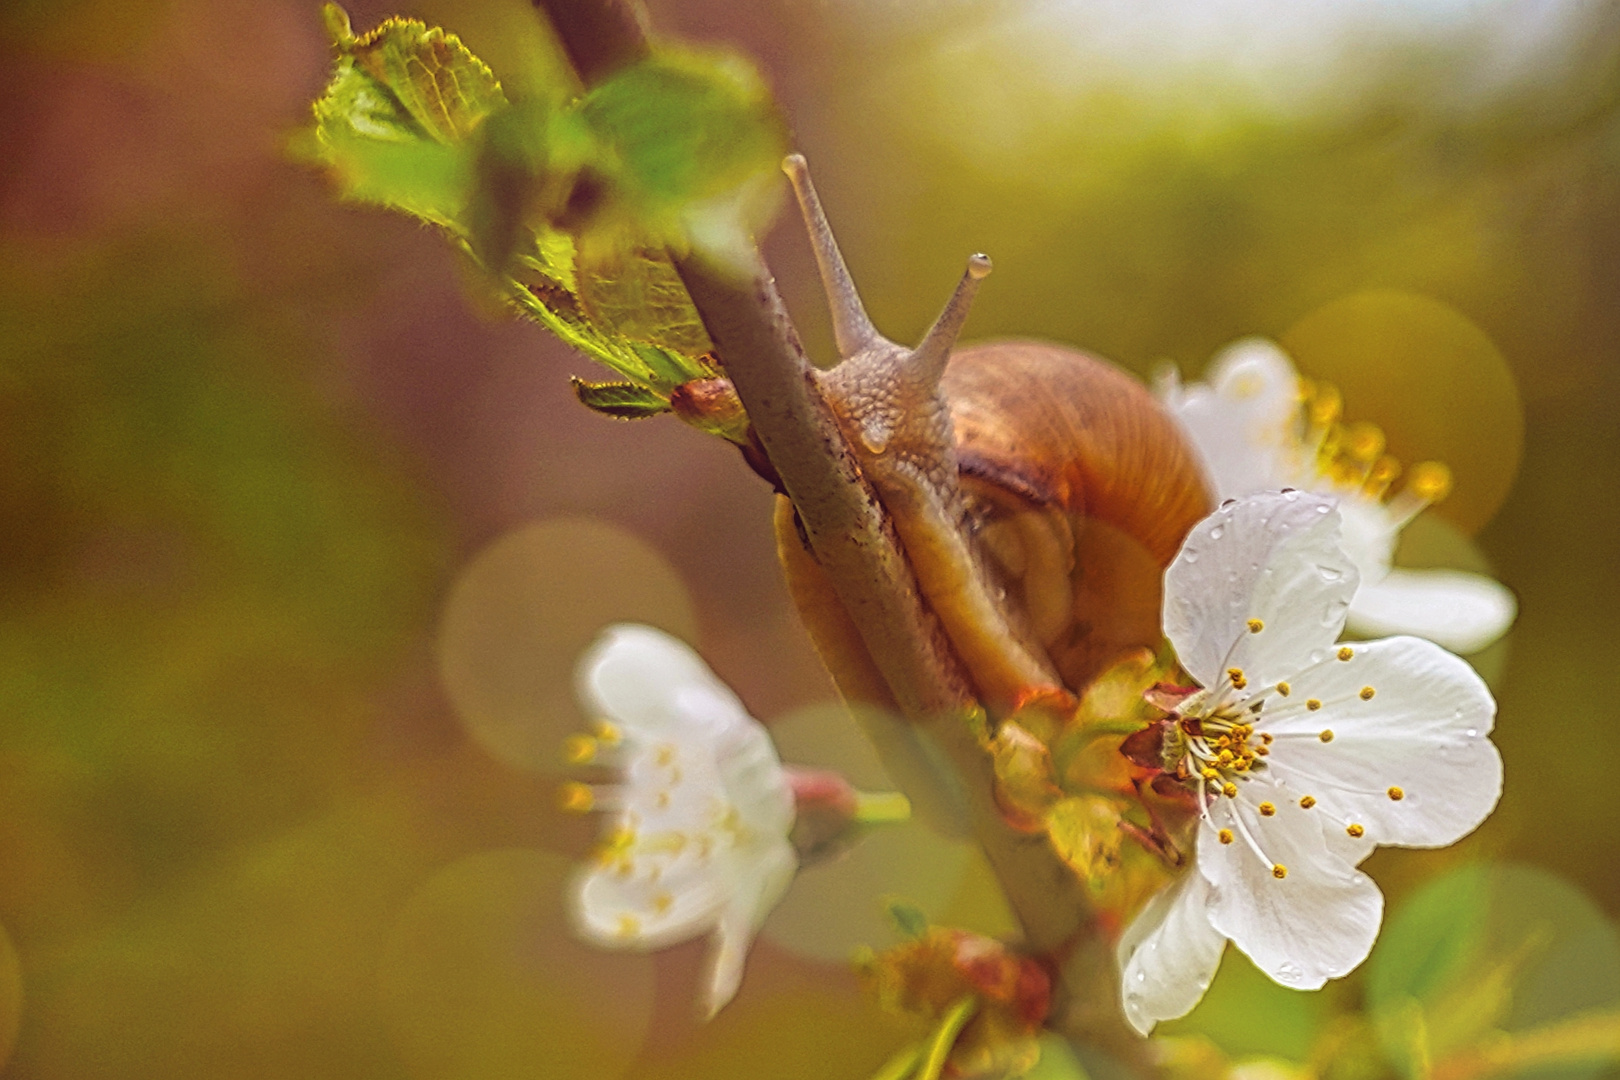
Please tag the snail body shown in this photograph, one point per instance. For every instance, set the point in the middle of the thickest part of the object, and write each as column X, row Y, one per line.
column 1038, row 493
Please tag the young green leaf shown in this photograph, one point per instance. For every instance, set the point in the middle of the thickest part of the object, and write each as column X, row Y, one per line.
column 623, row 401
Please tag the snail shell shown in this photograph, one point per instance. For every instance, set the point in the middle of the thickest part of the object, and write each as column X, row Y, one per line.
column 1078, row 488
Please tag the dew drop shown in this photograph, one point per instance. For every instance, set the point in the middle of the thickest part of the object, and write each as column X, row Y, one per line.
column 1141, row 976
column 1317, row 656
column 1290, row 494
column 1472, row 733
column 1217, row 532
column 1189, row 555
column 1289, row 973
column 1330, row 573
column 1323, row 508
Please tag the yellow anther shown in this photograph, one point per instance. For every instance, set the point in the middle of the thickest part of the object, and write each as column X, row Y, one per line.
column 1236, row 675
column 579, row 749
column 1265, row 737
column 662, row 902
column 575, row 798
column 1230, row 791
column 1324, row 404
column 1262, row 751
column 1307, row 802
column 1255, row 626
column 1208, row 773
column 1225, row 757
column 1367, row 693
column 1312, row 704
column 629, row 926
column 1363, row 441
column 1242, row 764
column 608, row 733
column 1267, row 809
column 1354, row 830
column 1223, row 742
column 1396, row 794
column 1327, row 735
column 1284, row 689
column 1225, row 836
column 1380, row 476
column 1429, row 480
column 1279, row 871
column 1346, row 653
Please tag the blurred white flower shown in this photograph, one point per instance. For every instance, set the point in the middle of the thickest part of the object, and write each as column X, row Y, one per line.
column 1257, row 429
column 1303, row 754
column 699, row 837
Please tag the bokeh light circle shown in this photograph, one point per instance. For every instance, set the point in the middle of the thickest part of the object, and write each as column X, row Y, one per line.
column 482, row 978
column 1432, row 379
column 836, row 905
column 523, row 610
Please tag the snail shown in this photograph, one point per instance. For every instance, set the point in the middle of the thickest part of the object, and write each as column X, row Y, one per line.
column 1038, row 492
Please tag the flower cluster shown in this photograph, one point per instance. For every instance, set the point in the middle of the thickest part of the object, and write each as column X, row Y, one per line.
column 699, row 837
column 1303, row 754
column 1258, row 427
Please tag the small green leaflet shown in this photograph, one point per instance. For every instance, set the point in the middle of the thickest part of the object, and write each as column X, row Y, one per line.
column 570, row 200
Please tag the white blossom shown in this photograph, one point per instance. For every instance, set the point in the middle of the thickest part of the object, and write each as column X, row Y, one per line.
column 698, row 842
column 1302, row 753
column 1255, row 430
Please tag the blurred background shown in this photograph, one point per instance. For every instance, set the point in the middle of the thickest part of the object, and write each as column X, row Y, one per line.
column 300, row 531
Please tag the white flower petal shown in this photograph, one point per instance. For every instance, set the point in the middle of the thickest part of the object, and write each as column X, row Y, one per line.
column 770, row 873
column 1169, row 954
column 1461, row 611
column 1316, row 923
column 626, row 908
column 654, row 686
column 1242, row 423
column 1272, row 557
column 1422, row 730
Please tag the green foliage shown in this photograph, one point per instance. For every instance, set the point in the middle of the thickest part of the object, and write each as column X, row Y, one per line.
column 571, row 200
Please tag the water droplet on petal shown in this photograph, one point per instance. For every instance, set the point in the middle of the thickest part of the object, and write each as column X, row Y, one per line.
column 1472, row 733
column 1141, row 976
column 1288, row 973
column 1330, row 573
column 1189, row 555
column 1217, row 532
column 1317, row 656
column 1323, row 508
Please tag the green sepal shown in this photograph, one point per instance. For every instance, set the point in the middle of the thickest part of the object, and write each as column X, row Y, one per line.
column 621, row 400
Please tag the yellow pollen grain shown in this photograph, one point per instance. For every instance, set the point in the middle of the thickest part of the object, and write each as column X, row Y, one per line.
column 579, row 749
column 1312, row 704
column 1327, row 735
column 1367, row 693
column 1346, row 653
column 1255, row 626
column 1354, row 830
column 1225, row 836
column 608, row 733
column 1307, row 802
column 1279, row 871
column 1429, row 480
column 665, row 755
column 1284, row 689
column 629, row 926
column 575, row 798
column 662, row 902
column 1230, row 791
column 1396, row 794
column 1267, row 809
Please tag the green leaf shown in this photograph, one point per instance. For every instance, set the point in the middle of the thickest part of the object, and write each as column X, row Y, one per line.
column 625, row 401
column 684, row 128
column 907, row 917
column 570, row 201
column 393, row 126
